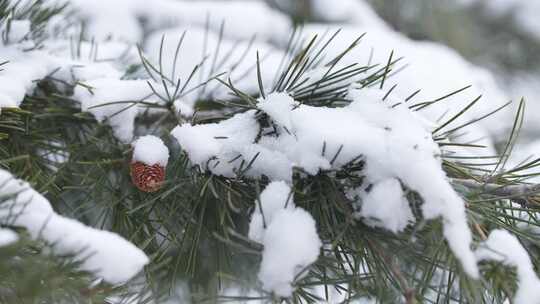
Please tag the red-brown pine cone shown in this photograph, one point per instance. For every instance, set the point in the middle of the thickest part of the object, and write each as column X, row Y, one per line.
column 147, row 178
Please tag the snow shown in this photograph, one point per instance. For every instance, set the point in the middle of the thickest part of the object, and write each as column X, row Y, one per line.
column 290, row 239
column 115, row 101
column 18, row 75
column 282, row 168
column 276, row 196
column 291, row 244
column 394, row 142
column 278, row 106
column 386, row 206
column 94, row 52
column 100, row 66
column 150, row 150
column 263, row 21
column 18, row 30
column 421, row 68
column 7, row 237
column 121, row 21
column 101, row 252
column 356, row 12
column 503, row 247
column 435, row 69
column 213, row 146
column 421, row 56
column 235, row 60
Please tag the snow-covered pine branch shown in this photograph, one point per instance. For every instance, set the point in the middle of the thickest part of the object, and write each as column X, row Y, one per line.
column 104, row 253
column 332, row 164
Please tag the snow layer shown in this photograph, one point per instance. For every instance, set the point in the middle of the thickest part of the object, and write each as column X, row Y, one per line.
column 289, row 236
column 242, row 19
column 94, row 52
column 215, row 146
column 503, row 247
column 18, row 75
column 385, row 205
column 18, row 30
column 394, row 141
column 20, row 68
column 56, row 57
column 422, row 68
column 150, row 150
column 235, row 60
column 118, row 102
column 278, row 106
column 355, row 12
column 276, row 196
column 7, row 237
column 291, row 244
column 100, row 66
column 104, row 253
column 110, row 98
column 122, row 18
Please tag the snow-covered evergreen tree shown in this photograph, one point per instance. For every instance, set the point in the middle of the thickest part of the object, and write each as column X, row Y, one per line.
column 212, row 151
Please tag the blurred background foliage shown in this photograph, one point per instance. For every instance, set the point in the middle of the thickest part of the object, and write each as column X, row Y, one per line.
column 471, row 29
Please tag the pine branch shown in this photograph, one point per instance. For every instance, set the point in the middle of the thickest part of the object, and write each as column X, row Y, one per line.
column 524, row 194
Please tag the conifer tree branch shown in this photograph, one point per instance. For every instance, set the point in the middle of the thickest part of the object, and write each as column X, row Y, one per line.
column 520, row 193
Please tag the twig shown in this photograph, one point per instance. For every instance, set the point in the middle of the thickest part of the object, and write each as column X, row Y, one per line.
column 520, row 193
column 408, row 292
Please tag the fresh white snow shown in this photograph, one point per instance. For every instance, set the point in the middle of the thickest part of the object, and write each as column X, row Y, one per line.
column 276, row 196
column 8, row 237
column 18, row 75
column 503, row 247
column 210, row 55
column 289, row 236
column 104, row 253
column 150, row 150
column 213, row 146
column 121, row 20
column 115, row 101
column 386, row 206
column 394, row 142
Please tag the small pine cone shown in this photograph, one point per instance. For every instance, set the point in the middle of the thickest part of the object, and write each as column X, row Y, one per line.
column 147, row 178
